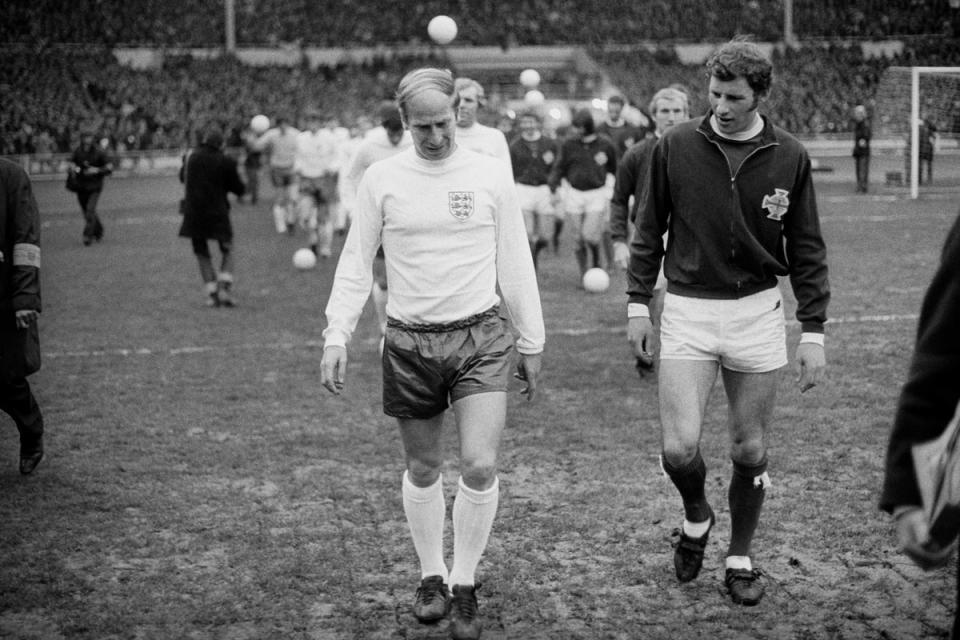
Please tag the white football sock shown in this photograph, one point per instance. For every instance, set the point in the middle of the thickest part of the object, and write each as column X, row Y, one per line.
column 739, row 562
column 426, row 513
column 473, row 513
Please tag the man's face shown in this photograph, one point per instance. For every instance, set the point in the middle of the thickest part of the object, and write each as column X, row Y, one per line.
column 529, row 126
column 432, row 123
column 614, row 109
column 394, row 136
column 469, row 105
column 669, row 111
column 734, row 103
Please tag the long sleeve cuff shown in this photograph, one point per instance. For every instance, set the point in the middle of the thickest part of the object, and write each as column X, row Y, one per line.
column 334, row 338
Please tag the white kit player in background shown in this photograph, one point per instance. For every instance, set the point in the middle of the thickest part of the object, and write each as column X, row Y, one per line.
column 387, row 140
column 454, row 243
column 280, row 144
column 470, row 133
column 316, row 164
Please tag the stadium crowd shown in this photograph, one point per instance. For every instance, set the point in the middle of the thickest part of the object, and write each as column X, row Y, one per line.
column 63, row 89
column 337, row 23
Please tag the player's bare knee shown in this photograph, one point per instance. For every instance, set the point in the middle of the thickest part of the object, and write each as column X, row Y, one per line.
column 478, row 475
column 679, row 454
column 423, row 472
column 748, row 452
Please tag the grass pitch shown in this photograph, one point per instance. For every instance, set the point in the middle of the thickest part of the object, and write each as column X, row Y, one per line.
column 199, row 483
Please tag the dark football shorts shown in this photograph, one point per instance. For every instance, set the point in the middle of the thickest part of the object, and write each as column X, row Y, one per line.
column 428, row 367
column 281, row 176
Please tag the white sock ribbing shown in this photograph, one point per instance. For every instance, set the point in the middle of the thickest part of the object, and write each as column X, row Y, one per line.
column 473, row 514
column 426, row 512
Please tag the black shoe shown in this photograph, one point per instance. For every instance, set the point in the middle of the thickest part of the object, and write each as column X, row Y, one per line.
column 224, row 299
column 87, row 241
column 432, row 599
column 29, row 462
column 464, row 613
column 688, row 553
column 744, row 586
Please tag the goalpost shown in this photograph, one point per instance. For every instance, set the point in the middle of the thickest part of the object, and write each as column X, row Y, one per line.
column 934, row 96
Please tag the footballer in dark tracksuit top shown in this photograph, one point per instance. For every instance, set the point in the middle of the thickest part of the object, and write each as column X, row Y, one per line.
column 532, row 160
column 585, row 162
column 19, row 306
column 766, row 212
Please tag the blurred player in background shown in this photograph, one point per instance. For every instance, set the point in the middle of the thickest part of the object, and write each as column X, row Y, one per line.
column 208, row 175
column 315, row 166
column 586, row 159
column 532, row 155
column 280, row 144
column 736, row 193
column 861, row 147
column 667, row 107
column 20, row 309
column 453, row 237
column 252, row 164
column 471, row 134
column 623, row 134
column 389, row 139
column 91, row 164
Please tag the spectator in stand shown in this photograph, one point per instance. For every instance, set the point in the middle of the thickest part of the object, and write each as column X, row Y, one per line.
column 861, row 147
column 208, row 175
column 91, row 164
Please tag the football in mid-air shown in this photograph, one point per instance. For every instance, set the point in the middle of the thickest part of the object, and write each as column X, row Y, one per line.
column 596, row 280
column 304, row 259
column 259, row 123
column 530, row 78
column 442, row 29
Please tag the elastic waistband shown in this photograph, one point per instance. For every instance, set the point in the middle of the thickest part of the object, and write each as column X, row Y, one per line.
column 441, row 327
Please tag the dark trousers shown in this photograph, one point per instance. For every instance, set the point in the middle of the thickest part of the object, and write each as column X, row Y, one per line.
column 201, row 249
column 863, row 173
column 18, row 402
column 93, row 228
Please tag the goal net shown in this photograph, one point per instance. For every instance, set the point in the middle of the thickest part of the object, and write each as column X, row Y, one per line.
column 916, row 123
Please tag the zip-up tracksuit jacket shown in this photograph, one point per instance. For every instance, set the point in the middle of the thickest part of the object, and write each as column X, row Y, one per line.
column 733, row 231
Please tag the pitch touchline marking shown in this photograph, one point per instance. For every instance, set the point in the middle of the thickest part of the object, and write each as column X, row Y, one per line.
column 318, row 344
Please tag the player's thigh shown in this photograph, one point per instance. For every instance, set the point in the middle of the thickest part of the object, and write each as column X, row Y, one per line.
column 422, row 446
column 751, row 398
column 684, row 389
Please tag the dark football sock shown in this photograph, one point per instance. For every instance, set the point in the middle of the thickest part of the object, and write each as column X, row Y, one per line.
column 691, row 480
column 747, row 490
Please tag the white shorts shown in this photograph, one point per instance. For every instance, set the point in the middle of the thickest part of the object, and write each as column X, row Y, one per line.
column 746, row 335
column 587, row 211
column 535, row 199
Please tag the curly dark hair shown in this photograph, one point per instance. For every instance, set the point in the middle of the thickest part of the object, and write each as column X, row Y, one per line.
column 742, row 58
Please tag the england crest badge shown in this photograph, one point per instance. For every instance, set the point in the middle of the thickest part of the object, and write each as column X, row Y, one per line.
column 460, row 204
column 777, row 204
